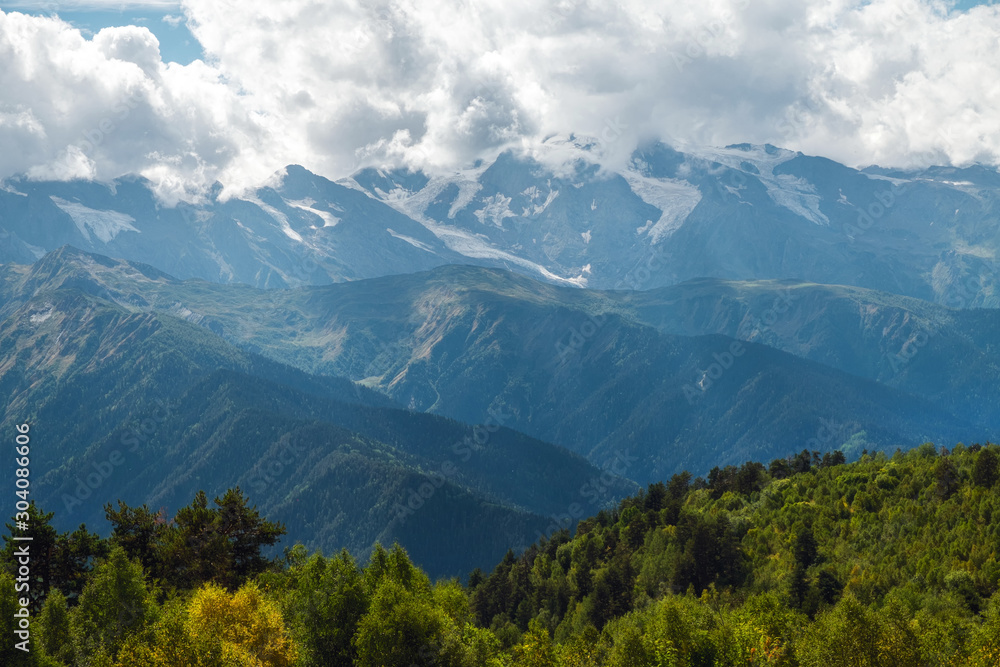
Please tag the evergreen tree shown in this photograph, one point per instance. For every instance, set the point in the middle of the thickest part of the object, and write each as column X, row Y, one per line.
column 58, row 561
column 138, row 531
column 114, row 604
column 947, row 477
column 43, row 549
column 984, row 472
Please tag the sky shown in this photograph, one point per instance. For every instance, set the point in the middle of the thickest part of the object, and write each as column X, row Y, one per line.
column 194, row 92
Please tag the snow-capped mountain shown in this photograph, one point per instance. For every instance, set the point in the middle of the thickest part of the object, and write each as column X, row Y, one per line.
column 668, row 215
column 307, row 230
column 739, row 212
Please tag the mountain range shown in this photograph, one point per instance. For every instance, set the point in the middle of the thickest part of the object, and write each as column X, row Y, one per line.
column 148, row 408
column 599, row 373
column 743, row 212
column 465, row 361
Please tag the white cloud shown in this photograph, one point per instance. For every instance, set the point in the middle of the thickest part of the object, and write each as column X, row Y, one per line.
column 431, row 82
column 99, row 108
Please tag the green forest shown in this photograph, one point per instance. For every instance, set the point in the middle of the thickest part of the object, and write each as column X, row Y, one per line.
column 888, row 561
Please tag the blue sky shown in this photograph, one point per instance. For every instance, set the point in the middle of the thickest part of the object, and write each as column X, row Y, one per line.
column 165, row 20
column 177, row 44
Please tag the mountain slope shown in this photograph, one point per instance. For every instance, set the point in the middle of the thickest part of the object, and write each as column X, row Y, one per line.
column 465, row 342
column 148, row 408
column 948, row 356
column 306, row 230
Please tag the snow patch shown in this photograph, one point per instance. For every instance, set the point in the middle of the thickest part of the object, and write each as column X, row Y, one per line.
column 894, row 181
column 675, row 199
column 38, row 318
column 533, row 194
column 412, row 241
column 796, row 194
column 9, row 188
column 461, row 241
column 467, row 191
column 496, row 209
column 37, row 251
column 354, row 185
column 308, row 205
column 396, row 194
column 105, row 225
column 278, row 216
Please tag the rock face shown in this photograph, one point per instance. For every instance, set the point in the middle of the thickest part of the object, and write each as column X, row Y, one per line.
column 741, row 213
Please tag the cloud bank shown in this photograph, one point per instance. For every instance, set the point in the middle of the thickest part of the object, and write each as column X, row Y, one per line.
column 436, row 84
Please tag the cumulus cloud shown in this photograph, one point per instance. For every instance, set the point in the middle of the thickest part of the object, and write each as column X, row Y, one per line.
column 437, row 83
column 98, row 108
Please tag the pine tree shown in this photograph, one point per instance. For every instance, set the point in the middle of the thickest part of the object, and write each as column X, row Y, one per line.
column 984, row 472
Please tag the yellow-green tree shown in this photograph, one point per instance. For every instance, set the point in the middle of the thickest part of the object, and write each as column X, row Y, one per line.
column 535, row 649
column 171, row 642
column 9, row 655
column 402, row 628
column 984, row 646
column 323, row 600
column 846, row 636
column 214, row 628
column 54, row 635
column 248, row 625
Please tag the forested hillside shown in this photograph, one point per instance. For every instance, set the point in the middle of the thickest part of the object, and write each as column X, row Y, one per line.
column 569, row 367
column 886, row 561
column 148, row 408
